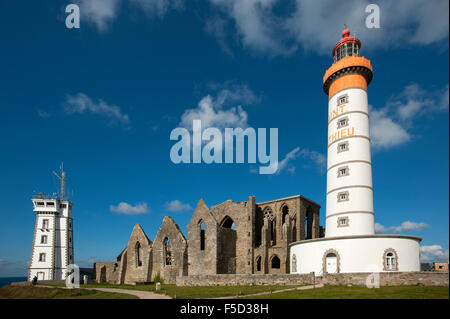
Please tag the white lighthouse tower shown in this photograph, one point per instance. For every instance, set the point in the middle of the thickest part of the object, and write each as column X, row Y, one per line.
column 349, row 208
column 52, row 250
column 350, row 244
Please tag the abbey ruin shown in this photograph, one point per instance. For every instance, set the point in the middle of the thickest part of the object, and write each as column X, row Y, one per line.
column 230, row 238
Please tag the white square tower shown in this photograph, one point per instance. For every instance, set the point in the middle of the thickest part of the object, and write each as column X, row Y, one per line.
column 52, row 250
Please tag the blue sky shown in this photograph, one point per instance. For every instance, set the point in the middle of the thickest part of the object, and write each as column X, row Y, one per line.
column 104, row 98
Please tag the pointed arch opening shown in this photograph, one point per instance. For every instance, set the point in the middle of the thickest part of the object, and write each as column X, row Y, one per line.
column 202, row 234
column 138, row 254
column 275, row 262
column 167, row 252
column 228, row 222
column 258, row 263
column 227, row 238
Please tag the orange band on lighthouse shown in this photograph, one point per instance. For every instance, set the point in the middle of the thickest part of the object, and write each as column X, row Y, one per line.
column 347, row 81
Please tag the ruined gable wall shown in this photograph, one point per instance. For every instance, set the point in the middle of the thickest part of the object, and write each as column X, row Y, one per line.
column 202, row 261
column 178, row 267
column 138, row 273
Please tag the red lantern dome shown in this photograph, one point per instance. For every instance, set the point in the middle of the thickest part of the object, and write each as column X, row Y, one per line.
column 348, row 46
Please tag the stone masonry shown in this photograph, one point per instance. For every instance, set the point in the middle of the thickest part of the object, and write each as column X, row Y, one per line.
column 230, row 238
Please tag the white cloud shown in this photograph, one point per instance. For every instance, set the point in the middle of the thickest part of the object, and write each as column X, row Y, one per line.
column 212, row 111
column 255, row 23
column 101, row 13
column 177, row 206
column 380, row 228
column 127, row 209
column 315, row 25
column 286, row 163
column 433, row 253
column 390, row 125
column 43, row 114
column 384, row 132
column 158, row 7
column 81, row 103
column 404, row 226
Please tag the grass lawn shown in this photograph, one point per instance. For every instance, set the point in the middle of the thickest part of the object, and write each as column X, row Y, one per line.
column 191, row 292
column 344, row 292
column 17, row 292
column 327, row 292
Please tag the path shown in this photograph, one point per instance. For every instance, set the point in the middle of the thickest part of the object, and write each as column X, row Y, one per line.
column 273, row 292
column 141, row 294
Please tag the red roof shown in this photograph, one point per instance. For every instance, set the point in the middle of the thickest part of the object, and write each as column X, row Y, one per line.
column 346, row 38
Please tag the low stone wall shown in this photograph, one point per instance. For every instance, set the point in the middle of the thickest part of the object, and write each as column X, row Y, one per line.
column 356, row 279
column 245, row 280
column 389, row 279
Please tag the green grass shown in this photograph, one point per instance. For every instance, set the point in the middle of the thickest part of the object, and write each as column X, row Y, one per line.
column 192, row 292
column 327, row 292
column 344, row 292
column 17, row 292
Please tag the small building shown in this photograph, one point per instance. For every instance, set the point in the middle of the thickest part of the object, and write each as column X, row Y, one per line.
column 441, row 266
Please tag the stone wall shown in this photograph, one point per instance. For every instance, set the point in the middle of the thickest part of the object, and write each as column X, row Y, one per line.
column 106, row 271
column 389, row 279
column 356, row 279
column 169, row 252
column 138, row 265
column 245, row 280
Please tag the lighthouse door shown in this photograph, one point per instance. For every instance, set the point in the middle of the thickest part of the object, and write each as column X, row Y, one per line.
column 331, row 261
column 40, row 276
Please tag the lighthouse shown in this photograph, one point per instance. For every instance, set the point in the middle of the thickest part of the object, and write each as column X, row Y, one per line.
column 349, row 209
column 350, row 244
column 52, row 250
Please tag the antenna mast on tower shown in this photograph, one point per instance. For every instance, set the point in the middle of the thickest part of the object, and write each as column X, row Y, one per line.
column 62, row 179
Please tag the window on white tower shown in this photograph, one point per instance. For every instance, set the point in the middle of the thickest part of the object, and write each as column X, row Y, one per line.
column 343, row 221
column 342, row 100
column 43, row 239
column 343, row 171
column 45, row 223
column 391, row 262
column 342, row 122
column 343, row 196
column 343, row 147
column 42, row 257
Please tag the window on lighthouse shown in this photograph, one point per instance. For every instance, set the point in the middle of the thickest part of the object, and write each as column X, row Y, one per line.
column 342, row 100
column 390, row 261
column 43, row 239
column 342, row 122
column 42, row 257
column 343, row 171
column 342, row 147
column 45, row 224
column 342, row 196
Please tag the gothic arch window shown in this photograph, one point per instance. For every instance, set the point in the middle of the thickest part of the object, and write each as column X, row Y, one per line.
column 390, row 260
column 285, row 213
column 202, row 234
column 294, row 230
column 228, row 222
column 167, row 249
column 294, row 263
column 258, row 263
column 269, row 215
column 138, row 250
column 275, row 262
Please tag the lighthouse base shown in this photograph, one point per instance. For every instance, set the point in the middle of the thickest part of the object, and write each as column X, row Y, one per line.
column 356, row 254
